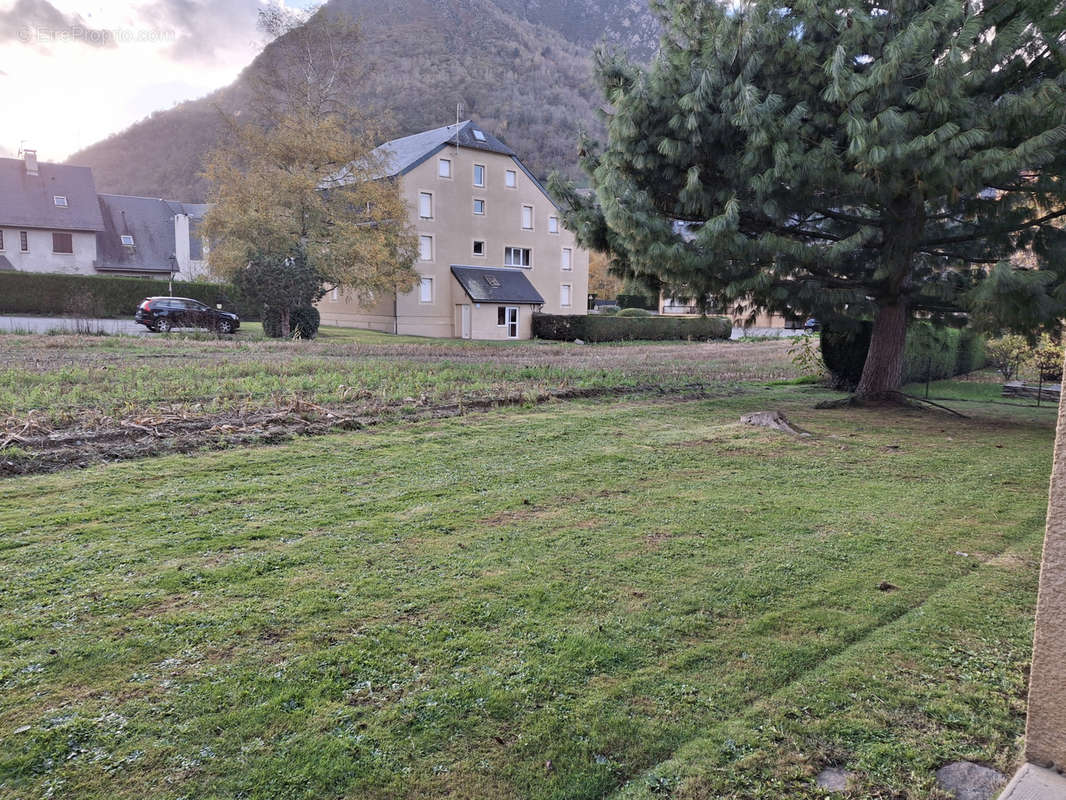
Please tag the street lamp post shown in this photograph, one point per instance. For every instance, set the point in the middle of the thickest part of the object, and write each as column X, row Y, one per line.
column 172, row 262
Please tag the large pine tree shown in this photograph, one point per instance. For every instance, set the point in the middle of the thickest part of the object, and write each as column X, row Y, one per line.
column 841, row 158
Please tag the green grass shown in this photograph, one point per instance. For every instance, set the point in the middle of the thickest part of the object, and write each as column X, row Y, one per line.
column 585, row 600
column 72, row 381
column 980, row 387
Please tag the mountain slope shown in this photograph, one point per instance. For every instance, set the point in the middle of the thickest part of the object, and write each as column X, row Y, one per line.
column 513, row 73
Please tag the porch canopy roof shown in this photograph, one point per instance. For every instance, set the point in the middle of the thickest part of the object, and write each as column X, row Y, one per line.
column 497, row 285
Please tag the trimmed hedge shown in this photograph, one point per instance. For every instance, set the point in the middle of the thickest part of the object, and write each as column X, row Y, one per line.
column 932, row 352
column 104, row 295
column 596, row 328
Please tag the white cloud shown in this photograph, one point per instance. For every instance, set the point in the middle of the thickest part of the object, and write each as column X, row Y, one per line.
column 71, row 92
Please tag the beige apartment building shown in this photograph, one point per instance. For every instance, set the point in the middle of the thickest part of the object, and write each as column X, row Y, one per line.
column 492, row 248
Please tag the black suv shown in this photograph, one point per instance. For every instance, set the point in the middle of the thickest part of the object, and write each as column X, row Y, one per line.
column 164, row 313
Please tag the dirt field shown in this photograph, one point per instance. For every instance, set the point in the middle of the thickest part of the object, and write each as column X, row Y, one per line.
column 73, row 400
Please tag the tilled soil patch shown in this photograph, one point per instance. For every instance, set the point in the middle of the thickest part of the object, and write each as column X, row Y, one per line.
column 35, row 449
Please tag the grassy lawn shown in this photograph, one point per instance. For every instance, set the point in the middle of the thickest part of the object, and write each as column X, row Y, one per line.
column 76, row 381
column 634, row 598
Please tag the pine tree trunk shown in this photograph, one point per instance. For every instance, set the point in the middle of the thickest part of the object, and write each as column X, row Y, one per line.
column 286, row 330
column 883, row 371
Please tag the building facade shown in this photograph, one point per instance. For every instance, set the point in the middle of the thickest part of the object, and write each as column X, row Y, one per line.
column 53, row 220
column 492, row 247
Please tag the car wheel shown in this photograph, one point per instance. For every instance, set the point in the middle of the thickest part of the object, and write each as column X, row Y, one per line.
column 225, row 326
column 164, row 325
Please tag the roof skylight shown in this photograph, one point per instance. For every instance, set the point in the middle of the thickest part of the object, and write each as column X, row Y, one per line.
column 479, row 135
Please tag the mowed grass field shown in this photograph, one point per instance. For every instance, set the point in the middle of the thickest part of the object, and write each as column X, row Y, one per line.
column 621, row 597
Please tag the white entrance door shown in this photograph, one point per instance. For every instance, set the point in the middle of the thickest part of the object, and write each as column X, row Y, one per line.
column 512, row 322
column 464, row 311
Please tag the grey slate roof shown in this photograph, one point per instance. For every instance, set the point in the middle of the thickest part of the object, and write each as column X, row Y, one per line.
column 496, row 285
column 28, row 201
column 402, row 155
column 150, row 222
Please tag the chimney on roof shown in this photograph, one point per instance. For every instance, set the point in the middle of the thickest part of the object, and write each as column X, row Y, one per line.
column 31, row 161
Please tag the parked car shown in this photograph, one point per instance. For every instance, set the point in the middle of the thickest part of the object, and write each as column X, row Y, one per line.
column 165, row 313
column 812, row 325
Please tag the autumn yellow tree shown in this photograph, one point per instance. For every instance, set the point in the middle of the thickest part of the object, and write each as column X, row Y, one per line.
column 297, row 203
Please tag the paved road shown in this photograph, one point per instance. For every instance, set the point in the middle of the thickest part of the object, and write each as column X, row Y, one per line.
column 780, row 333
column 46, row 324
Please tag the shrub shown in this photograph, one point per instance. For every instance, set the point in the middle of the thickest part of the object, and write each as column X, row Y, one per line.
column 1048, row 360
column 972, row 352
column 303, row 322
column 932, row 352
column 637, row 301
column 599, row 328
column 634, row 312
column 608, row 310
column 104, row 295
column 1008, row 353
column 807, row 356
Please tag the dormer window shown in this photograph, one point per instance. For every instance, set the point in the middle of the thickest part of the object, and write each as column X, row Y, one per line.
column 60, row 200
column 127, row 240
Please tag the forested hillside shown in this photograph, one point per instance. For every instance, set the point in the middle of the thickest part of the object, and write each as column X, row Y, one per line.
column 521, row 70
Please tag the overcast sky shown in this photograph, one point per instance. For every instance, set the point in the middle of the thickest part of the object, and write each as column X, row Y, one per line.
column 74, row 71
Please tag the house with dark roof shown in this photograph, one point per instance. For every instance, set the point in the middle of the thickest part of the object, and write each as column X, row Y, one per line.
column 49, row 216
column 491, row 246
column 53, row 220
column 150, row 236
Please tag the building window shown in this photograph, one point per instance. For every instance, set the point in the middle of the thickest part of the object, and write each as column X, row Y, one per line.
column 568, row 259
column 511, row 179
column 62, row 243
column 516, row 257
column 564, row 295
column 479, row 248
column 553, row 224
column 425, row 205
column 60, row 200
column 126, row 240
column 479, row 207
column 1, row 240
column 425, row 290
column 444, row 168
column 425, row 248
column 479, row 174
column 24, row 241
column 527, row 218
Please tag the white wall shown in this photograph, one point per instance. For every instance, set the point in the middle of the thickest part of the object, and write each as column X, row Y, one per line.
column 40, row 258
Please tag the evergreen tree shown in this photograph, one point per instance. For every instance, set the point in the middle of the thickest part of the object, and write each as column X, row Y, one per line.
column 841, row 158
